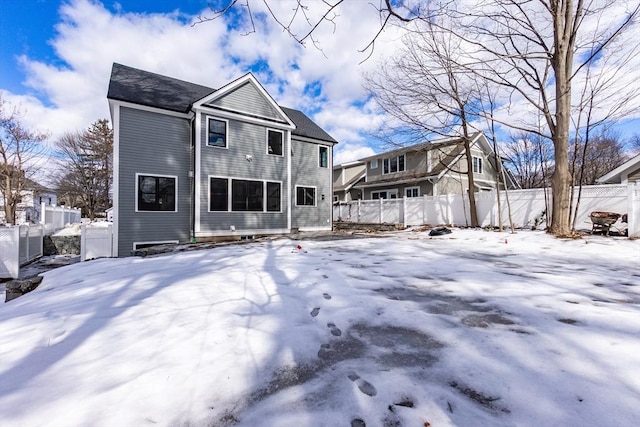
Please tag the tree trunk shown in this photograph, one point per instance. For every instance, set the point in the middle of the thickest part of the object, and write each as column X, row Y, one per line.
column 470, row 192
column 562, row 66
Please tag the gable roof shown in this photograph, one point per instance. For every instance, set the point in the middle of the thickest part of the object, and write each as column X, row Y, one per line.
column 457, row 150
column 141, row 87
column 615, row 176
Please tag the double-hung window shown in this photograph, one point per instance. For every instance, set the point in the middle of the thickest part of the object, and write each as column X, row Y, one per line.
column 156, row 193
column 412, row 192
column 275, row 142
column 477, row 164
column 217, row 132
column 323, row 157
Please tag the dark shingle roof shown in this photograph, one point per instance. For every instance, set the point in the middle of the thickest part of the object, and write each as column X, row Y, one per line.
column 307, row 127
column 154, row 90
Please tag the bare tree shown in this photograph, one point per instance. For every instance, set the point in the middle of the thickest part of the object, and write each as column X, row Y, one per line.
column 428, row 94
column 85, row 178
column 602, row 153
column 529, row 156
column 21, row 152
column 303, row 18
column 532, row 48
column 634, row 144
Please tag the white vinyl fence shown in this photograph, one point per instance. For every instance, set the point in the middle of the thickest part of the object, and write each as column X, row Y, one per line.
column 96, row 241
column 19, row 245
column 527, row 208
column 55, row 218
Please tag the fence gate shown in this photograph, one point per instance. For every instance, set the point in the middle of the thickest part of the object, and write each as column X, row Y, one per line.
column 96, row 241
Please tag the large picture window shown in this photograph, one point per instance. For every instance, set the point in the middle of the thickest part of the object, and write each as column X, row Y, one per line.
column 305, row 196
column 324, row 157
column 156, row 193
column 219, row 194
column 246, row 195
column 275, row 142
column 217, row 132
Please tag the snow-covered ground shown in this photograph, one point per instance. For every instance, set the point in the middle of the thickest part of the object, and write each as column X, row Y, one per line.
column 473, row 328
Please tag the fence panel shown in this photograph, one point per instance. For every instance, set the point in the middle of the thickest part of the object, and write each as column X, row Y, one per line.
column 55, row 218
column 392, row 211
column 369, row 211
column 96, row 241
column 9, row 252
column 24, row 244
column 414, row 211
column 36, row 242
column 528, row 208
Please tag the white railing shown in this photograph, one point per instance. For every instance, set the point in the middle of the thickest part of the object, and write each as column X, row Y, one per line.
column 96, row 241
column 527, row 208
column 55, row 218
column 19, row 245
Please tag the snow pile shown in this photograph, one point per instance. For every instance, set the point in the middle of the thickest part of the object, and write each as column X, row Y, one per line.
column 471, row 328
column 69, row 230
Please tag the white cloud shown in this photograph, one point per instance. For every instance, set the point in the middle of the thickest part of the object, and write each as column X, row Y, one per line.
column 349, row 152
column 70, row 93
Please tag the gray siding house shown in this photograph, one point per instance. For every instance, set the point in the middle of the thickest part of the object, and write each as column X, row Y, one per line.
column 429, row 169
column 192, row 163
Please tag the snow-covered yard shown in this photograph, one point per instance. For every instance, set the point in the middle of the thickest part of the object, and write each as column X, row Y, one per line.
column 473, row 328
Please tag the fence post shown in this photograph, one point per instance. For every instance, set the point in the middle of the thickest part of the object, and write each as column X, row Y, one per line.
column 403, row 217
column 358, row 213
column 633, row 210
column 380, row 212
column 42, row 213
column 83, row 242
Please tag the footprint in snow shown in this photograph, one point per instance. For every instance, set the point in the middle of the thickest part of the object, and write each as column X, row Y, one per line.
column 334, row 329
column 326, row 296
column 315, row 311
column 364, row 386
column 357, row 422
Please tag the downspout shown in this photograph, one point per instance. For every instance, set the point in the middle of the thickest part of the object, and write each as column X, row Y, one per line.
column 192, row 168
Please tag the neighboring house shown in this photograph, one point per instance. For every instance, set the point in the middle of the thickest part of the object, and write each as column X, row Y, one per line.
column 345, row 177
column 429, row 169
column 29, row 208
column 628, row 172
column 195, row 163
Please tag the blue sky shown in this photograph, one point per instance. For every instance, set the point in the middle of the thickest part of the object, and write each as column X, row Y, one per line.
column 56, row 57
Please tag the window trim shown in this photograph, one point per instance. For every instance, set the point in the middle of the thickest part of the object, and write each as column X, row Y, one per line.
column 137, row 189
column 230, row 180
column 209, row 178
column 372, row 163
column 320, row 147
column 281, row 132
column 315, row 196
column 388, row 194
column 387, row 162
column 412, row 188
column 226, row 132
column 477, row 164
